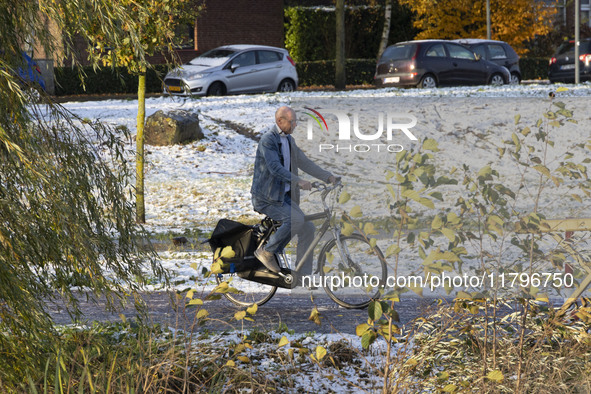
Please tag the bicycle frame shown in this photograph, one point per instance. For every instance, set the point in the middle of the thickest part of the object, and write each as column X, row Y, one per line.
column 327, row 216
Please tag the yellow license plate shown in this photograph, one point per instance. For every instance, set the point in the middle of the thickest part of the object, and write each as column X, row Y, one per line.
column 175, row 89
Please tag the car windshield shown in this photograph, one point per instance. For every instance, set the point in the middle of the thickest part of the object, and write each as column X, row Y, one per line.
column 569, row 47
column 399, row 52
column 566, row 47
column 214, row 57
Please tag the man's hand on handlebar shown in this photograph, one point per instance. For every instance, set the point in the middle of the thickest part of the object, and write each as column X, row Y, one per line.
column 334, row 179
column 304, row 185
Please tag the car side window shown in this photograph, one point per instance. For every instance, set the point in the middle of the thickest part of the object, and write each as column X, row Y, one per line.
column 268, row 56
column 480, row 51
column 436, row 50
column 244, row 59
column 459, row 52
column 497, row 51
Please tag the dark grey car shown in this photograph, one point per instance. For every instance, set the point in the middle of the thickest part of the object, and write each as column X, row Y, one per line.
column 431, row 63
column 498, row 52
column 562, row 64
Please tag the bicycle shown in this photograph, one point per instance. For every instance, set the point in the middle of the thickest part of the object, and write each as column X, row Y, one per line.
column 354, row 260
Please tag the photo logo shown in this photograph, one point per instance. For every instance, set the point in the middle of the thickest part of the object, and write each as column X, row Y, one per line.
column 394, row 125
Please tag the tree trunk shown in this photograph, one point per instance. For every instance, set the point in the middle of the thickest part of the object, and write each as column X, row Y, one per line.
column 340, row 78
column 386, row 30
column 139, row 139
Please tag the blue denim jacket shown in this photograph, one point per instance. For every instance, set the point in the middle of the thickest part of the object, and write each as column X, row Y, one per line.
column 270, row 177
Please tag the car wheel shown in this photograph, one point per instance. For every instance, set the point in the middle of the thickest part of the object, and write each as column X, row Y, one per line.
column 216, row 89
column 286, row 85
column 515, row 80
column 428, row 82
column 497, row 80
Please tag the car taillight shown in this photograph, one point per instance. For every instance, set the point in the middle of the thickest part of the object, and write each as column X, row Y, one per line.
column 291, row 60
column 552, row 61
column 585, row 58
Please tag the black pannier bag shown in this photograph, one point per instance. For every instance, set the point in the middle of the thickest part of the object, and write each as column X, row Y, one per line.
column 244, row 241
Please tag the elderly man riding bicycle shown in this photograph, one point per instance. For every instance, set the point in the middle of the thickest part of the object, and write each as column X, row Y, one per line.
column 275, row 189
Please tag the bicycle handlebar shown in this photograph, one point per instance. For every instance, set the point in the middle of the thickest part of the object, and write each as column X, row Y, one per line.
column 320, row 186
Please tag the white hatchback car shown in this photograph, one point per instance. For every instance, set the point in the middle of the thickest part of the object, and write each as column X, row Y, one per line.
column 234, row 69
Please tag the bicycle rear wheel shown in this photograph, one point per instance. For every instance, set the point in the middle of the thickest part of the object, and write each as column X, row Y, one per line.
column 357, row 275
column 246, row 292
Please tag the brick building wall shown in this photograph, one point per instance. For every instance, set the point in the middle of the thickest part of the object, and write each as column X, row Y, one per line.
column 223, row 22
column 240, row 22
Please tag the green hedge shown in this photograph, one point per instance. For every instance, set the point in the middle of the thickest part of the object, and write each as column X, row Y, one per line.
column 534, row 67
column 105, row 80
column 310, row 31
column 322, row 72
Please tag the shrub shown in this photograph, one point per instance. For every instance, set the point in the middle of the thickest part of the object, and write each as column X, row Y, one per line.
column 533, row 67
column 105, row 80
column 322, row 72
column 310, row 31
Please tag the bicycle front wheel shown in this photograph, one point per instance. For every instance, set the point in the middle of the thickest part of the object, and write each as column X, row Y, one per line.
column 354, row 273
column 244, row 292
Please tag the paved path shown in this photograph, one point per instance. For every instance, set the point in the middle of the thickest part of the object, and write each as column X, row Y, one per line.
column 290, row 309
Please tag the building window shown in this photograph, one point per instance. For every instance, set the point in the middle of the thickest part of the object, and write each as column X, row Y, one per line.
column 184, row 36
column 585, row 18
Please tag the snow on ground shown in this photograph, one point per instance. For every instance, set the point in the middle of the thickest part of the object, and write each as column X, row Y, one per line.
column 189, row 187
column 292, row 369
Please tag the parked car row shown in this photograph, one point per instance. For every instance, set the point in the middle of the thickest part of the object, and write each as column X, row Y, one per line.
column 235, row 69
column 432, row 63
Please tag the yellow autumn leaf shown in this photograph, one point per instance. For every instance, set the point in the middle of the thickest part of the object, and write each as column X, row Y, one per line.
column 347, row 229
column 356, row 212
column 320, row 353
column 227, row 253
column 344, row 197
column 495, row 376
column 283, row 341
column 251, row 310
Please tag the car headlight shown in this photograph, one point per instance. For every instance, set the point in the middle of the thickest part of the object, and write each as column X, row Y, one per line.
column 197, row 75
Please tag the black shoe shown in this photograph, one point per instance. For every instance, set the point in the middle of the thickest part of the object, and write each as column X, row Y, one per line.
column 268, row 259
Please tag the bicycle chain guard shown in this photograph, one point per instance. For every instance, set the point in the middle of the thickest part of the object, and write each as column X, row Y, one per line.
column 270, row 278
